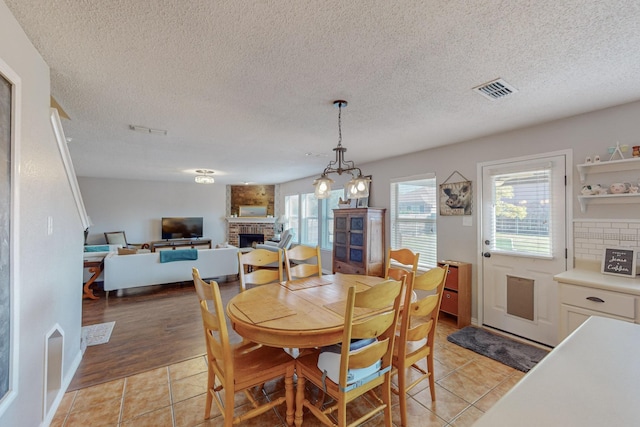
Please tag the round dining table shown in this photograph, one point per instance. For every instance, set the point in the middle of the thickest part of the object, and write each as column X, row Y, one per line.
column 302, row 313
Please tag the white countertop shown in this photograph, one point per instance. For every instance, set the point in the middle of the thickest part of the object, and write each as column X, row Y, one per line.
column 592, row 378
column 595, row 279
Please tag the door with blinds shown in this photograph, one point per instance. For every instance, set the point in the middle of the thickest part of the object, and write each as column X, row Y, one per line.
column 523, row 245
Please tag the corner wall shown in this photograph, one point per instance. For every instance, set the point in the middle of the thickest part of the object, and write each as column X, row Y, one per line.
column 48, row 284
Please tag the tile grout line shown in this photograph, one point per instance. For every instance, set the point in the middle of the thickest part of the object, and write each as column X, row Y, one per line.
column 124, row 388
column 173, row 414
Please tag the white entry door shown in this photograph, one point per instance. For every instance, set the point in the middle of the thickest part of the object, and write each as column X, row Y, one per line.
column 523, row 245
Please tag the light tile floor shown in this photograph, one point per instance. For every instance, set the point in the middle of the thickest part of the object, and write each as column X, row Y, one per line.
column 467, row 385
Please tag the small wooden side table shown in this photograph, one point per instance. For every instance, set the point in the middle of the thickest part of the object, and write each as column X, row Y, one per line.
column 95, row 266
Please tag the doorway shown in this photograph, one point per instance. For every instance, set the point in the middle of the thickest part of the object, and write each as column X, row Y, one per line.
column 524, row 244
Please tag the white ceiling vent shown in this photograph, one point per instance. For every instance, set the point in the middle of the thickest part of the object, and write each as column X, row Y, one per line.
column 495, row 89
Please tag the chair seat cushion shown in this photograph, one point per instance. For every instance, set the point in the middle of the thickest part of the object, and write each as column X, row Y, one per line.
column 329, row 362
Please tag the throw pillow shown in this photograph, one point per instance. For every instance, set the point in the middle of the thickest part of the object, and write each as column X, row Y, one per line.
column 125, row 251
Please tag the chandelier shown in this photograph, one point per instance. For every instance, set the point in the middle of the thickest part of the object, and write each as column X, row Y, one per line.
column 358, row 186
column 205, row 176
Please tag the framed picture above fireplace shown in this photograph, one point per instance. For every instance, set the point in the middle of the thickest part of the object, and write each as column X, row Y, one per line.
column 252, row 211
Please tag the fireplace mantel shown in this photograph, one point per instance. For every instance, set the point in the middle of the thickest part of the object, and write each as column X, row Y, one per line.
column 250, row 220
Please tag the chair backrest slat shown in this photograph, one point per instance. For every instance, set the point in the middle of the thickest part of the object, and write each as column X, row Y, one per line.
column 384, row 299
column 266, row 267
column 302, row 256
column 403, row 260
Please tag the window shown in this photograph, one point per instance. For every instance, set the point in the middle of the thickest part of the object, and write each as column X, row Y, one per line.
column 308, row 219
column 327, row 206
column 522, row 212
column 414, row 205
column 312, row 219
column 292, row 213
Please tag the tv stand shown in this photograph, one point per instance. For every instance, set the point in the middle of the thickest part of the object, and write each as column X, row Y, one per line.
column 179, row 243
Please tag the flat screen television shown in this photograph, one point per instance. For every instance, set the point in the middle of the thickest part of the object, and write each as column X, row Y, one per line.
column 181, row 228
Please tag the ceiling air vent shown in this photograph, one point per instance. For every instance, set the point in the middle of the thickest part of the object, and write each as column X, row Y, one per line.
column 495, row 89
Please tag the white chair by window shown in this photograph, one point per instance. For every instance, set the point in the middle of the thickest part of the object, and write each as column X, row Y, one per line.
column 285, row 242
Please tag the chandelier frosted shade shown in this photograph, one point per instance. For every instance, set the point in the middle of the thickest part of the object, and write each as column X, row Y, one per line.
column 204, row 177
column 358, row 188
column 323, row 187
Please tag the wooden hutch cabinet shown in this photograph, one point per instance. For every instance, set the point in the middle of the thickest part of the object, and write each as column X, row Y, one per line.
column 456, row 298
column 358, row 241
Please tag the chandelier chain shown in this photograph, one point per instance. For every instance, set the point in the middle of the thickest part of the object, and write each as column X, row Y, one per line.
column 340, row 124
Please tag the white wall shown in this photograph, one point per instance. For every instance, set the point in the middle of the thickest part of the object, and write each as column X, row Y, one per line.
column 48, row 283
column 586, row 134
column 137, row 207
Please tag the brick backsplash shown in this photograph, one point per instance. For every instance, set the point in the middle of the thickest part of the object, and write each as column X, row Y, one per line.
column 590, row 237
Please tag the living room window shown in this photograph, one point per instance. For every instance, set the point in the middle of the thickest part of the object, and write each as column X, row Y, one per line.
column 308, row 219
column 414, row 206
column 312, row 219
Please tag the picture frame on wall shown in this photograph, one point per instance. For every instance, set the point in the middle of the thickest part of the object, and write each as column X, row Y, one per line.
column 456, row 198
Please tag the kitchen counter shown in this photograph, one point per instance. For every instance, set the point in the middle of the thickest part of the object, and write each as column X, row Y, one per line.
column 595, row 279
column 592, row 378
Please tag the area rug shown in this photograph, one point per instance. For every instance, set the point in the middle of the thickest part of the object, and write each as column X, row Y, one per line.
column 97, row 334
column 512, row 353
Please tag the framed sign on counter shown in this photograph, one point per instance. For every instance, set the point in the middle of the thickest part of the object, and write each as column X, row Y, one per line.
column 619, row 261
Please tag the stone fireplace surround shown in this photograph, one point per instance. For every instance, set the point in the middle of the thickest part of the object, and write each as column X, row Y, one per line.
column 249, row 225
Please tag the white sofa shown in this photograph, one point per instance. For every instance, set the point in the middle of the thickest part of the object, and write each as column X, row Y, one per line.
column 130, row 271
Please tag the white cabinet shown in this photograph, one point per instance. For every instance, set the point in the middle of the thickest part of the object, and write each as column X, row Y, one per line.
column 577, row 303
column 585, row 293
column 604, row 167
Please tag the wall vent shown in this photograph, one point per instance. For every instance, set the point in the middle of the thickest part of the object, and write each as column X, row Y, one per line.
column 495, row 89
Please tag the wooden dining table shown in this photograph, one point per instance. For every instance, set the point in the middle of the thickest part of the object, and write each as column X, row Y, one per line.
column 303, row 313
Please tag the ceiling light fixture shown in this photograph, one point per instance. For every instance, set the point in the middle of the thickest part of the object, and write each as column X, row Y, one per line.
column 205, row 176
column 358, row 186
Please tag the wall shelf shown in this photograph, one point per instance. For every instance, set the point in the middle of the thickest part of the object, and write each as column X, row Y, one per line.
column 611, row 166
column 607, row 199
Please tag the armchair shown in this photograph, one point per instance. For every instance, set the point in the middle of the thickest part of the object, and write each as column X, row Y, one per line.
column 119, row 238
column 286, row 239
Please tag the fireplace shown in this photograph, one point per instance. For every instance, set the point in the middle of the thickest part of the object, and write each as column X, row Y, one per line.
column 250, row 240
column 263, row 227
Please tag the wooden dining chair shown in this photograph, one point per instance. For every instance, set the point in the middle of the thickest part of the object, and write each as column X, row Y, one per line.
column 417, row 334
column 301, row 256
column 399, row 262
column 260, row 267
column 374, row 324
column 239, row 368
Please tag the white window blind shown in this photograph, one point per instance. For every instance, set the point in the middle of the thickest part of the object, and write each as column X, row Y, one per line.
column 308, row 219
column 522, row 212
column 413, row 217
column 327, row 206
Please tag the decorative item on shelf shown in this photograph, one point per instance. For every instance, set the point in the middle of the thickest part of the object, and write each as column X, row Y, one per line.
column 455, row 197
column 596, row 159
column 205, row 176
column 618, row 149
column 619, row 188
column 636, row 151
column 358, row 186
column 348, row 203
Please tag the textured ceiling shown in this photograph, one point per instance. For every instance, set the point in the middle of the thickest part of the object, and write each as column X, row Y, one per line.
column 245, row 88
